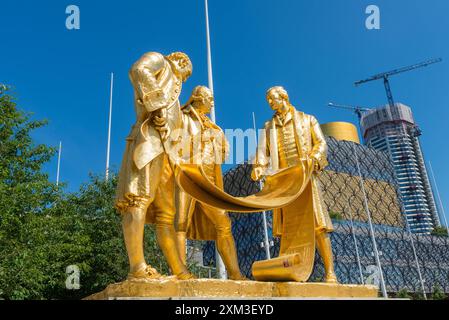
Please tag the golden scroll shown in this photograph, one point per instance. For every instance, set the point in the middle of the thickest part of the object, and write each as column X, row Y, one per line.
column 279, row 190
column 297, row 252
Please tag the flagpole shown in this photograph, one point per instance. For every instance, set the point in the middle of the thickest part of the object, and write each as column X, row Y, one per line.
column 59, row 163
column 209, row 59
column 354, row 238
column 219, row 261
column 264, row 213
column 108, row 152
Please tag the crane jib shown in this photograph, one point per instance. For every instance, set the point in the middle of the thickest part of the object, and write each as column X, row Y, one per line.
column 400, row 70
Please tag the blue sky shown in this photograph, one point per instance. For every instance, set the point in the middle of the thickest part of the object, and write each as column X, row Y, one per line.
column 315, row 49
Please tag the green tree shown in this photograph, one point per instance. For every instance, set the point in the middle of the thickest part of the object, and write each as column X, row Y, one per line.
column 403, row 294
column 439, row 231
column 438, row 293
column 25, row 194
column 335, row 215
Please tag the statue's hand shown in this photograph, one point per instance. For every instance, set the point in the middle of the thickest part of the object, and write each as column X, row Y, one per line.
column 257, row 173
column 315, row 163
column 159, row 119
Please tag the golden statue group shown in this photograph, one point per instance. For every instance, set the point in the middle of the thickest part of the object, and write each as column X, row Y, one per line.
column 171, row 177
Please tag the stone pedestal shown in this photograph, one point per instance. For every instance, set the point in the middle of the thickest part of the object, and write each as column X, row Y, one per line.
column 228, row 289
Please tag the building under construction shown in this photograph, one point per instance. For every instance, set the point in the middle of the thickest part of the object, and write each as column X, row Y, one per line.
column 392, row 129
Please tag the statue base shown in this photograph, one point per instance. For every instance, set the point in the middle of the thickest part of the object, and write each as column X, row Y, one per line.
column 229, row 289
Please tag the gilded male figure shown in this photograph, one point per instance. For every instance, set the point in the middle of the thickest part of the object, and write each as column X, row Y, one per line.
column 290, row 137
column 146, row 186
column 206, row 145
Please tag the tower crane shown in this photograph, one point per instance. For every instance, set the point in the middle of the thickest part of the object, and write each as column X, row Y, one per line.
column 386, row 75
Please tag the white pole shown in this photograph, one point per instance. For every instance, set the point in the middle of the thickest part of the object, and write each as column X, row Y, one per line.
column 264, row 213
column 219, row 261
column 373, row 237
column 359, row 263
column 415, row 255
column 59, row 163
column 108, row 152
column 209, row 59
column 439, row 198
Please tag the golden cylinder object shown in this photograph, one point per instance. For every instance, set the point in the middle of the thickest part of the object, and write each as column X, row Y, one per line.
column 283, row 268
column 341, row 131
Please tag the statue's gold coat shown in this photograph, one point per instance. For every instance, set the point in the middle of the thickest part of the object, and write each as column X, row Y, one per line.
column 193, row 216
column 311, row 143
column 303, row 225
column 146, row 185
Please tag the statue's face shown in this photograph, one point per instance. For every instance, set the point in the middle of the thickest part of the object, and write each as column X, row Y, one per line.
column 206, row 103
column 276, row 101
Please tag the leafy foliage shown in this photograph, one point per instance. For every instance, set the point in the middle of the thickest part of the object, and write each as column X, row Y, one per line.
column 439, row 231
column 438, row 294
column 335, row 215
column 25, row 195
column 403, row 294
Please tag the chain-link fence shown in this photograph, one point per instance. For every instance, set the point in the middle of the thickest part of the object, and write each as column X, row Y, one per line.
column 353, row 172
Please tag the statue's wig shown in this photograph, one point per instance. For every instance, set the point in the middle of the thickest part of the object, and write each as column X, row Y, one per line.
column 181, row 64
column 282, row 92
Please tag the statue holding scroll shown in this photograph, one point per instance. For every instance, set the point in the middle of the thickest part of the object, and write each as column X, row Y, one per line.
column 290, row 138
column 206, row 145
column 171, row 177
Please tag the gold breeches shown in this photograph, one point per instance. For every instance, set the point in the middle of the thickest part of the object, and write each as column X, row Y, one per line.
column 157, row 195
